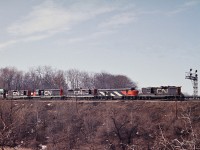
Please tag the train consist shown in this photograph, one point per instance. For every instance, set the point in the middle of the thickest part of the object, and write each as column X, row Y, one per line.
column 163, row 92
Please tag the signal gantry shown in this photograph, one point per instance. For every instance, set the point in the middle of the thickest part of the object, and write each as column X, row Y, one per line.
column 194, row 78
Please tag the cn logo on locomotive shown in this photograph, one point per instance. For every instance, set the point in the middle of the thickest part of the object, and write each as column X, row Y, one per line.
column 47, row 93
column 162, row 91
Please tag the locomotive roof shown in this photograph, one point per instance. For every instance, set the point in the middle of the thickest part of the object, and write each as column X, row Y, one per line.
column 163, row 87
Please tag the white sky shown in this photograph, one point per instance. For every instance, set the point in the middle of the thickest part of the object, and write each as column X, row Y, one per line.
column 152, row 42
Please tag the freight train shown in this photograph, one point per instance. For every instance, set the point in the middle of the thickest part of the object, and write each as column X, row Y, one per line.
column 163, row 92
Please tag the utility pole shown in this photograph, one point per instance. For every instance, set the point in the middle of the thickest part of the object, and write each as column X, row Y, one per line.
column 194, row 78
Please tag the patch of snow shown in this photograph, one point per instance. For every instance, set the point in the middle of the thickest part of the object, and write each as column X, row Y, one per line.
column 43, row 147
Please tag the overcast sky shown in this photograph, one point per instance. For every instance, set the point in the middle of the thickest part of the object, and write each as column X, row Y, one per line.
column 154, row 42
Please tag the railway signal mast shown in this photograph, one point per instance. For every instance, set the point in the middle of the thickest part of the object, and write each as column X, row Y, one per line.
column 194, row 78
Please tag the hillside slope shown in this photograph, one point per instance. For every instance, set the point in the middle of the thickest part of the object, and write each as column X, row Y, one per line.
column 112, row 125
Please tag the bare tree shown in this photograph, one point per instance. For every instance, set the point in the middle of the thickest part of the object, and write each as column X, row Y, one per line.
column 185, row 135
column 11, row 122
column 59, row 80
column 122, row 81
column 46, row 77
column 32, row 80
column 107, row 80
column 18, row 80
column 7, row 76
column 121, row 132
column 73, row 78
column 103, row 80
column 86, row 80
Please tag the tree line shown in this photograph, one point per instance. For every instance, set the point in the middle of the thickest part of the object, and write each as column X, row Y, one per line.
column 46, row 77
